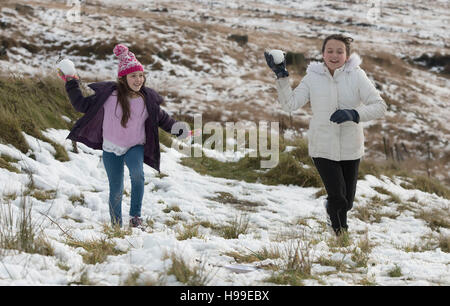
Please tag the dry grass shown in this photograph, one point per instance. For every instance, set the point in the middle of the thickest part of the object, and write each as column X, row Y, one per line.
column 95, row 250
column 372, row 212
column 444, row 243
column 435, row 217
column 256, row 256
column 228, row 198
column 169, row 209
column 6, row 163
column 30, row 106
column 196, row 275
column 135, row 278
column 298, row 258
column 386, row 62
column 392, row 169
column 18, row 231
column 189, row 231
column 239, row 225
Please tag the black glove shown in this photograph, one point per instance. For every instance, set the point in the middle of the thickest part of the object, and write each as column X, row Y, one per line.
column 343, row 115
column 279, row 69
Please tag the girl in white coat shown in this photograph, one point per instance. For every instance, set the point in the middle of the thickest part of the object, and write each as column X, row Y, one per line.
column 341, row 97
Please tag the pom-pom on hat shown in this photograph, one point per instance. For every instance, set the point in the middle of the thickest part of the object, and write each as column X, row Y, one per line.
column 127, row 61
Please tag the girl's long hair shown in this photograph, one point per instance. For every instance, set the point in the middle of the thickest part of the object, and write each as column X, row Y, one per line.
column 123, row 93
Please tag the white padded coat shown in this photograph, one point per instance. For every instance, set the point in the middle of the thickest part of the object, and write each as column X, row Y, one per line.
column 348, row 88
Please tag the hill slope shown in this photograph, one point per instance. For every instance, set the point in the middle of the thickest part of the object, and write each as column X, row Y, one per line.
column 203, row 224
column 54, row 220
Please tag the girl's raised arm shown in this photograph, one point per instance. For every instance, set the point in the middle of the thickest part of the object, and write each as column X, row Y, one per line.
column 289, row 100
column 79, row 102
column 292, row 100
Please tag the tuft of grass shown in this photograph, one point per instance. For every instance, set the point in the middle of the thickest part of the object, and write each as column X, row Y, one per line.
column 393, row 197
column 228, row 198
column 428, row 185
column 239, row 225
column 11, row 132
column 328, row 262
column 83, row 279
column 43, row 195
column 372, row 212
column 395, row 272
column 96, row 251
column 361, row 252
column 367, row 281
column 298, row 260
column 188, row 232
column 18, row 232
column 191, row 276
column 170, row 222
column 260, row 255
column 134, row 278
column 293, row 278
column 342, row 241
column 115, row 231
column 174, row 208
column 77, row 199
column 5, row 162
column 444, row 242
column 10, row 196
column 435, row 218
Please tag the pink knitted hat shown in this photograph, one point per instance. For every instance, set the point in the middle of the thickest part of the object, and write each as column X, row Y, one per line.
column 128, row 62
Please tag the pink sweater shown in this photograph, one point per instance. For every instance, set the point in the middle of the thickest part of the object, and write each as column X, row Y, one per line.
column 116, row 138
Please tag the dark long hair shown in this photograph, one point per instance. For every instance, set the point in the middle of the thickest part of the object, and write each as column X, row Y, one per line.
column 123, row 93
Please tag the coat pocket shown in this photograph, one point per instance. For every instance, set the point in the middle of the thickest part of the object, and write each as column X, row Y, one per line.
column 320, row 138
column 352, row 138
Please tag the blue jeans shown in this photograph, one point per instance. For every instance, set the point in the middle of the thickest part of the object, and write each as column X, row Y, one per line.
column 114, row 165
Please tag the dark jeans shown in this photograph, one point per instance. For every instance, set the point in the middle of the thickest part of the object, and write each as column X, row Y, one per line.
column 339, row 178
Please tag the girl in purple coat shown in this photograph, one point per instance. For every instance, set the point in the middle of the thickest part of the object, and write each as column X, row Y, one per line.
column 122, row 119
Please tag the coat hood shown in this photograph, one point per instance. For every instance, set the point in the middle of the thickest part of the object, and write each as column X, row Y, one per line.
column 319, row 67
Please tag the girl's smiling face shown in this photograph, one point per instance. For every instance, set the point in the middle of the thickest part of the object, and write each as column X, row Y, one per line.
column 135, row 80
column 335, row 54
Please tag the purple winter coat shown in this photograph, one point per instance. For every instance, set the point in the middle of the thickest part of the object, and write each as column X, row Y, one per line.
column 89, row 128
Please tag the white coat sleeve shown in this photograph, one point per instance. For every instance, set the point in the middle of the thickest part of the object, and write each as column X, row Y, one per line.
column 373, row 106
column 292, row 100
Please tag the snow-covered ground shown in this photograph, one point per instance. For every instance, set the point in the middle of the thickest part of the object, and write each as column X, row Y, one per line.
column 281, row 217
column 199, row 70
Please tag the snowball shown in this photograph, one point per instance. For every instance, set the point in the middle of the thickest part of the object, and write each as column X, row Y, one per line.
column 278, row 56
column 67, row 67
